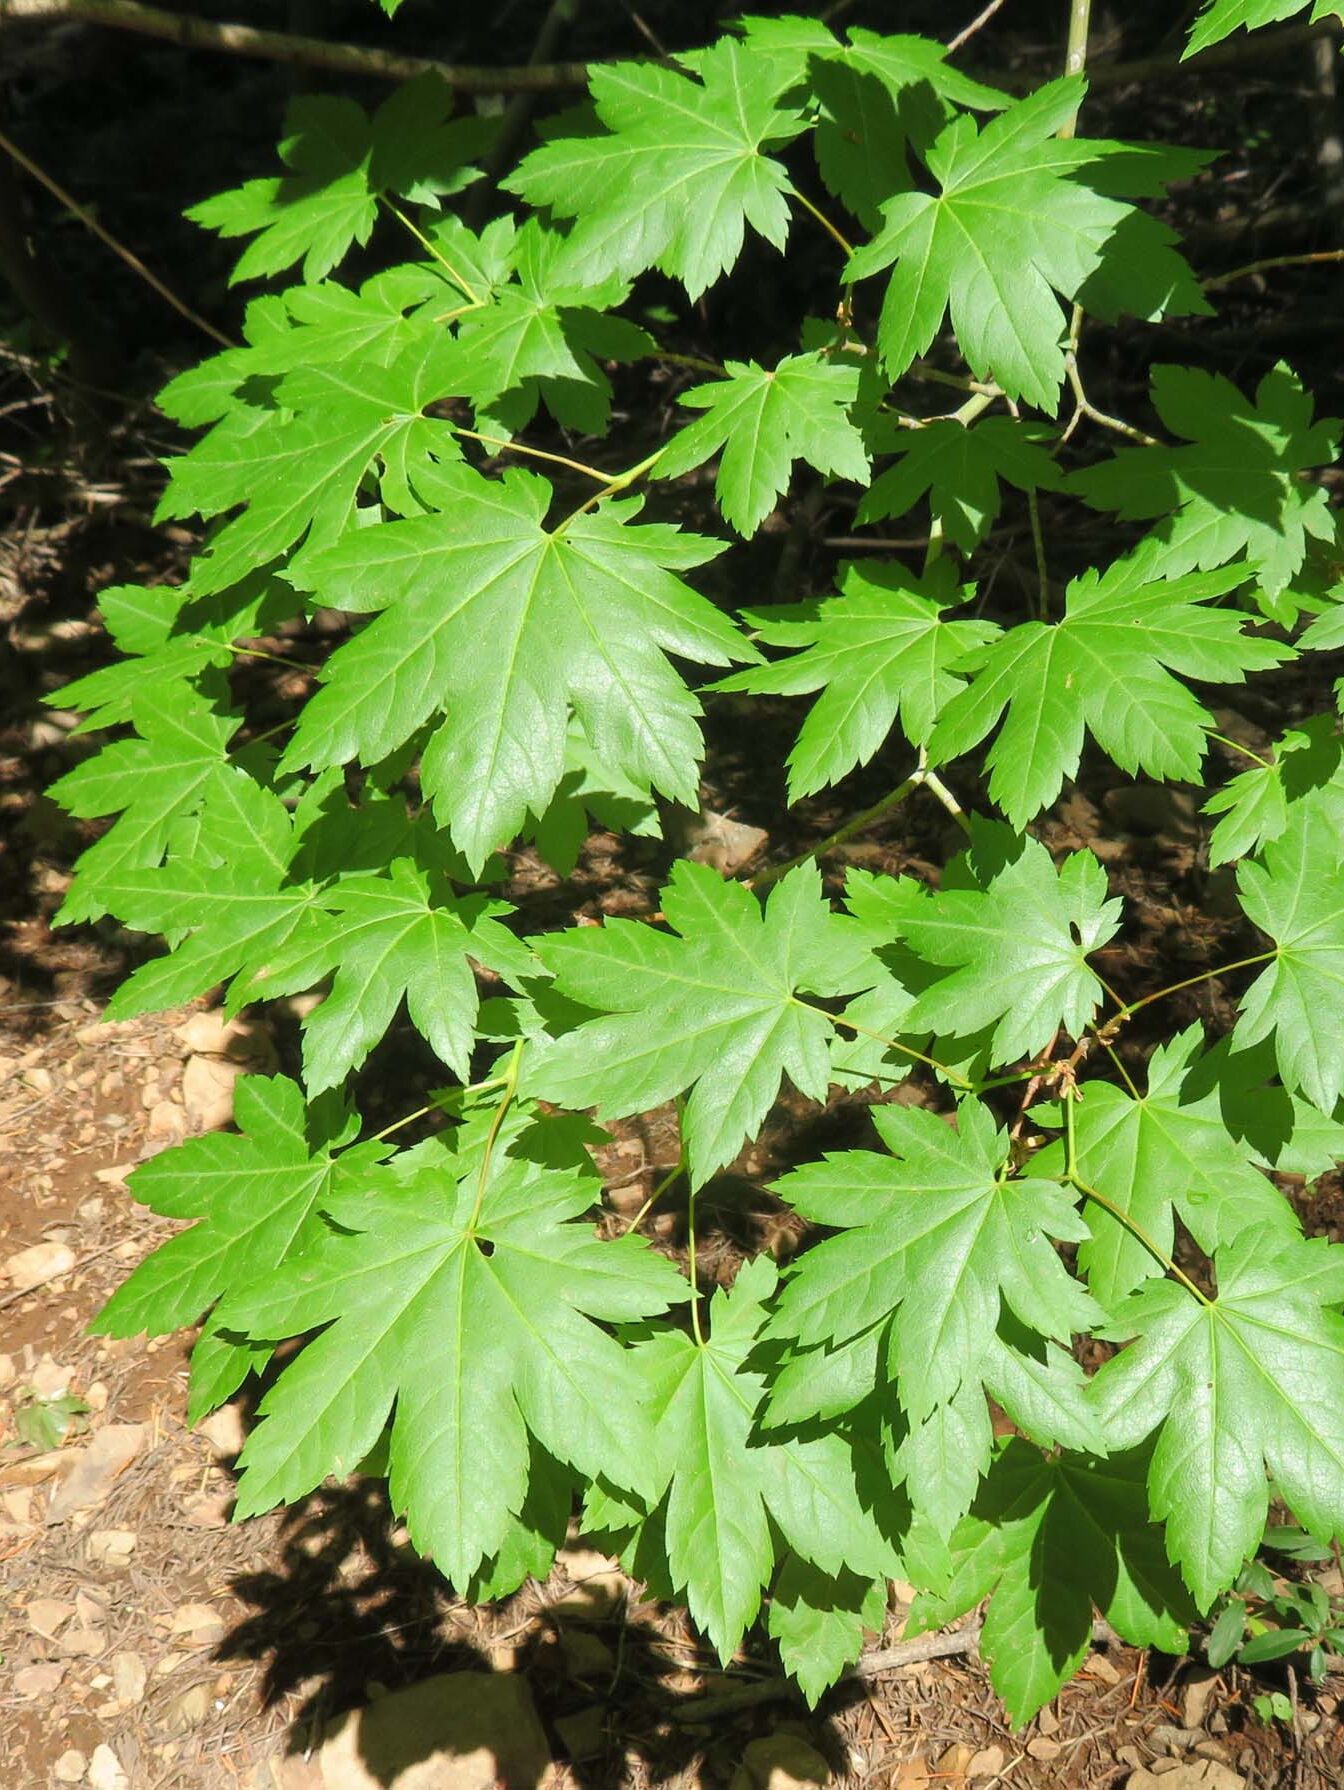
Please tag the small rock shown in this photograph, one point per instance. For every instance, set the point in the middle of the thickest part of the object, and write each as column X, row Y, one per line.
column 188, row 1709
column 47, row 1616
column 8, row 1371
column 1044, row 1748
column 781, row 1761
column 96, row 1467
column 197, row 1625
column 70, row 1767
column 207, row 1092
column 724, row 844
column 223, row 1430
column 128, row 1678
column 32, row 1682
column 49, row 1379
column 34, row 1267
column 1098, row 1666
column 208, row 1510
column 457, row 1731
column 105, row 1771
column 597, row 1584
column 584, row 1734
column 1194, row 1774
column 111, row 1548
column 585, row 1654
column 1198, row 1688
column 1165, row 1737
column 167, row 1124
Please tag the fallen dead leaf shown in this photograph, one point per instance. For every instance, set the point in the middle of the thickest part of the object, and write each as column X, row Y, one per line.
column 188, row 1709
column 128, row 1678
column 95, row 1470
column 49, row 1379
column 32, row 1682
column 111, row 1548
column 197, row 1625
column 47, row 1616
column 30, row 1268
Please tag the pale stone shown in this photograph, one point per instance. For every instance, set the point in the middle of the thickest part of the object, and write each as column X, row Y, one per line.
column 111, row 1451
column 597, row 1584
column 457, row 1731
column 70, row 1767
column 33, row 1267
column 781, row 1761
column 105, row 1771
column 1196, row 1774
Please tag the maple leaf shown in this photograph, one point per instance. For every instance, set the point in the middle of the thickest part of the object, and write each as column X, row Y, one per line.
column 150, row 782
column 1256, row 804
column 166, row 637
column 488, row 615
column 385, row 937
column 818, row 1619
column 677, row 175
column 469, row 1307
column 1275, row 1127
column 763, row 421
column 341, row 163
column 959, row 468
column 1048, row 1541
column 256, row 1199
column 1236, row 488
column 1295, row 893
column 724, row 1486
column 1019, row 947
column 537, row 338
column 297, row 468
column 1220, row 18
column 1105, row 668
column 879, row 651
column 1167, row 1151
column 1253, row 1378
column 1022, row 215
column 590, row 793
column 947, row 1238
column 714, row 1010
column 229, row 898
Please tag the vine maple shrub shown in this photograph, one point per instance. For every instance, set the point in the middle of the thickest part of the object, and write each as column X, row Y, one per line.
column 524, row 624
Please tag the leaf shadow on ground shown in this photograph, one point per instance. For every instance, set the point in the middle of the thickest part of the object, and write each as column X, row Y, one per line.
column 348, row 1611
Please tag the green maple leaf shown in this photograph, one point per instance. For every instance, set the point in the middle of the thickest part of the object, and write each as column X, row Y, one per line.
column 394, row 935
column 538, row 335
column 1021, row 216
column 1275, row 1127
column 470, row 1309
column 256, row 1199
column 1253, row 1378
column 166, row 637
column 488, row 615
column 1237, row 487
column 226, row 894
column 677, row 175
column 1049, row 1541
column 1220, row 18
column 1257, row 804
column 297, row 469
column 941, row 1241
column 794, row 45
column 150, row 782
column 1167, row 1152
column 714, row 1010
column 762, row 421
column 590, row 793
column 959, row 468
column 818, row 1620
column 1105, row 668
column 724, row 1485
column 1019, row 947
column 880, row 651
column 342, row 162
column 1295, row 893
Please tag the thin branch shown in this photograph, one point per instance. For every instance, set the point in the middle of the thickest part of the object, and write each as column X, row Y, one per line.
column 1267, row 266
column 390, row 65
column 106, row 237
column 967, row 32
column 312, row 52
column 1075, row 55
